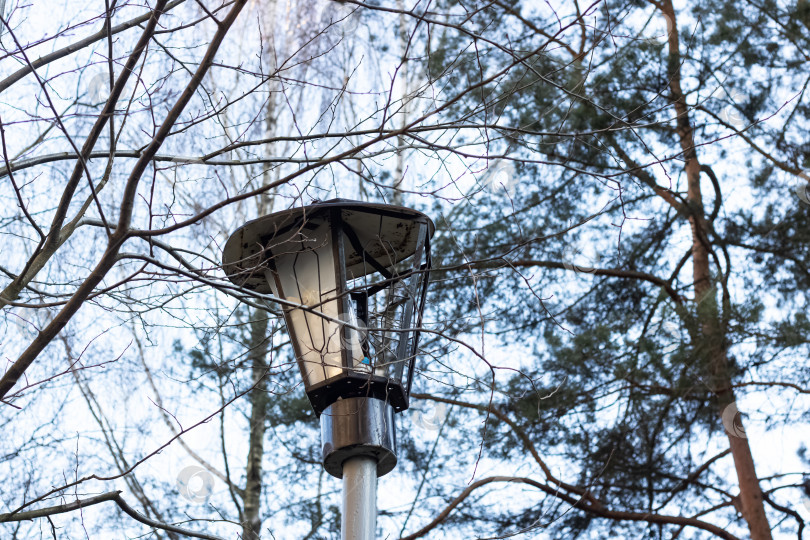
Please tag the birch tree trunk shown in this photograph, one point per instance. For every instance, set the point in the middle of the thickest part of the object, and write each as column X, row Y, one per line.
column 257, row 356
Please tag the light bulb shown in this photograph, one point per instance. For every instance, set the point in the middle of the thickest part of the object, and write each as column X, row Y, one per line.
column 310, row 297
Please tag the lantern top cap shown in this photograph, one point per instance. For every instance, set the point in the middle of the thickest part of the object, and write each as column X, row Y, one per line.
column 391, row 228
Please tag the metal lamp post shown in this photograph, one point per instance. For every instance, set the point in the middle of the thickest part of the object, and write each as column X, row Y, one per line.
column 352, row 278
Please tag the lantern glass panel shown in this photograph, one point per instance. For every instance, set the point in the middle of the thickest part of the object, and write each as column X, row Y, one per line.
column 386, row 310
column 390, row 309
column 303, row 272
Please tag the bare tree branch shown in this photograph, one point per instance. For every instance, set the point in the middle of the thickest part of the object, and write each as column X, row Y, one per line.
column 106, row 497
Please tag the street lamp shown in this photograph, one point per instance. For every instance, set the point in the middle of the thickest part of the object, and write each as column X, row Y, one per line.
column 352, row 279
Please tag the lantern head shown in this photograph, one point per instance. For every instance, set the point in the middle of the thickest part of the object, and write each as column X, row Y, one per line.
column 352, row 279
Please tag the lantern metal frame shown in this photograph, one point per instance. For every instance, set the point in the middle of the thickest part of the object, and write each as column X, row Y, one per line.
column 398, row 254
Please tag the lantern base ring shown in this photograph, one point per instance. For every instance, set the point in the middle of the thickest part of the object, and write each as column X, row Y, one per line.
column 358, row 426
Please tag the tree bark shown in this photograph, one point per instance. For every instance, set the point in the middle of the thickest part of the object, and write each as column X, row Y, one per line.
column 257, row 355
column 712, row 348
